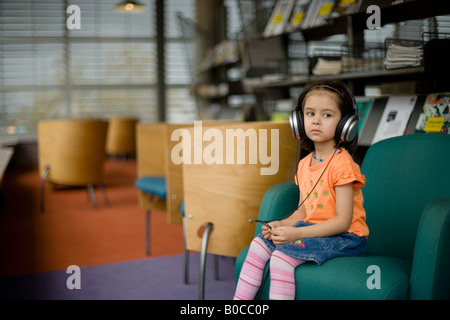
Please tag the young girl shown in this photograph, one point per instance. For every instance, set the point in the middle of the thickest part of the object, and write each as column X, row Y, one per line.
column 330, row 219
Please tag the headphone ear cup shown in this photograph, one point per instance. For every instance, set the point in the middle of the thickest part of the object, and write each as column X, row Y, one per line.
column 296, row 121
column 293, row 123
column 340, row 127
column 347, row 128
column 301, row 127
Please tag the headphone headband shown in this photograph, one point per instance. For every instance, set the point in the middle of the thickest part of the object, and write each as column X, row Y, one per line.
column 355, row 107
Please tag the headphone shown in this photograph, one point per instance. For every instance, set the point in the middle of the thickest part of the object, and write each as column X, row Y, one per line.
column 347, row 128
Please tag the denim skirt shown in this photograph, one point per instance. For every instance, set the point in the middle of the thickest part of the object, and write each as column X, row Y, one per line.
column 321, row 249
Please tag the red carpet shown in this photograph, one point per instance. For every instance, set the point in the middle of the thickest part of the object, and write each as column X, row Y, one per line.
column 70, row 231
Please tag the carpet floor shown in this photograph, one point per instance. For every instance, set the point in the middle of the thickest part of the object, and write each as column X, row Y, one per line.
column 146, row 279
column 70, row 231
column 107, row 243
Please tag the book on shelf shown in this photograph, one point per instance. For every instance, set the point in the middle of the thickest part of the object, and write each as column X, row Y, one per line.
column 324, row 13
column 327, row 66
column 364, row 105
column 364, row 4
column 298, row 15
column 345, row 7
column 282, row 109
column 311, row 13
column 279, row 18
column 435, row 116
column 395, row 117
column 403, row 56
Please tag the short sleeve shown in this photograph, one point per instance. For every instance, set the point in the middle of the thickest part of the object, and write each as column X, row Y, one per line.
column 347, row 171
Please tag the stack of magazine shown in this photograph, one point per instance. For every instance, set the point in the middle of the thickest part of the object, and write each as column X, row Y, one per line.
column 403, row 56
column 290, row 15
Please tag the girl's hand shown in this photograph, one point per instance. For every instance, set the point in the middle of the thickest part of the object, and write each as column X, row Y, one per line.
column 266, row 231
column 284, row 234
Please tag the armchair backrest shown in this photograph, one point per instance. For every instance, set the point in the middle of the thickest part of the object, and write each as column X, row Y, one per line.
column 403, row 175
column 74, row 149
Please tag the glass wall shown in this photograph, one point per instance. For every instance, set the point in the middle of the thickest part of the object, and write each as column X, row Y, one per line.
column 106, row 67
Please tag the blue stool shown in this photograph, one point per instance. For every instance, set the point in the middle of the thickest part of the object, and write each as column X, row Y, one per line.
column 153, row 186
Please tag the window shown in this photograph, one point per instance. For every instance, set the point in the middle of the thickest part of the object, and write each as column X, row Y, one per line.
column 179, row 56
column 106, row 68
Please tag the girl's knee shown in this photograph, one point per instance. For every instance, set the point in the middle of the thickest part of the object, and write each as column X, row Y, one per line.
column 279, row 258
column 276, row 256
column 257, row 242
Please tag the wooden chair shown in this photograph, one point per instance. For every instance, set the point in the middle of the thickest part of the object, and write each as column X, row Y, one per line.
column 151, row 165
column 121, row 137
column 72, row 153
column 160, row 180
column 175, row 188
column 223, row 199
column 175, row 199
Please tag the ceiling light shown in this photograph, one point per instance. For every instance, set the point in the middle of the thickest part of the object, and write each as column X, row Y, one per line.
column 129, row 6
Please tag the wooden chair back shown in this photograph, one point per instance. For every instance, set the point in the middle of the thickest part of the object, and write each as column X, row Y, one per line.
column 151, row 159
column 74, row 150
column 228, row 195
column 121, row 137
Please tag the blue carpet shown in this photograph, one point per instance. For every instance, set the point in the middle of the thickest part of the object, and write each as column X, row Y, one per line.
column 148, row 279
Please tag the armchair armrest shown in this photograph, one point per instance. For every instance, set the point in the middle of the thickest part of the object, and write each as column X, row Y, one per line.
column 430, row 276
column 278, row 201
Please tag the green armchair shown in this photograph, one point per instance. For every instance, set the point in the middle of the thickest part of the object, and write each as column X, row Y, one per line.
column 407, row 201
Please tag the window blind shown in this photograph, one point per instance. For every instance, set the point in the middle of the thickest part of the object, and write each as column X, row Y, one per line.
column 179, row 58
column 106, row 68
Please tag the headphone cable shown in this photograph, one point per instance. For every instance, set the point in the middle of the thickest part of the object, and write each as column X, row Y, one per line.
column 287, row 216
column 259, row 292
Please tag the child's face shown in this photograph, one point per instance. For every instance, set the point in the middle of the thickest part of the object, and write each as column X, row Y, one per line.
column 321, row 116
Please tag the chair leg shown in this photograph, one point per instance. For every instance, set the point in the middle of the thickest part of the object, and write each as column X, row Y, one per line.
column 91, row 193
column 216, row 267
column 147, row 232
column 186, row 254
column 43, row 182
column 205, row 240
column 105, row 196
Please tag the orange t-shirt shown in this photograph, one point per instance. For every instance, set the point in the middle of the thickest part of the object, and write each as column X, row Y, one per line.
column 321, row 204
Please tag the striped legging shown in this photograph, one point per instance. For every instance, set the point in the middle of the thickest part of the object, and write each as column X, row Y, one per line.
column 282, row 267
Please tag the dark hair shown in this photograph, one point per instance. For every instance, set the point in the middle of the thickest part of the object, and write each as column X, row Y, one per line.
column 345, row 104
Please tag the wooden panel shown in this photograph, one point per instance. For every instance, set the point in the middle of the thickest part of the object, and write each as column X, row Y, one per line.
column 151, row 152
column 121, row 137
column 229, row 195
column 5, row 156
column 74, row 149
column 174, row 175
column 150, row 149
column 174, row 171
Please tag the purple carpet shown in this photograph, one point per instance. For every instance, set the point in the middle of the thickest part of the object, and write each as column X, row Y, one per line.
column 147, row 279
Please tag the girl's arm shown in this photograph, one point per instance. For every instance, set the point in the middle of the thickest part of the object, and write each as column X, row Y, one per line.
column 297, row 215
column 340, row 223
